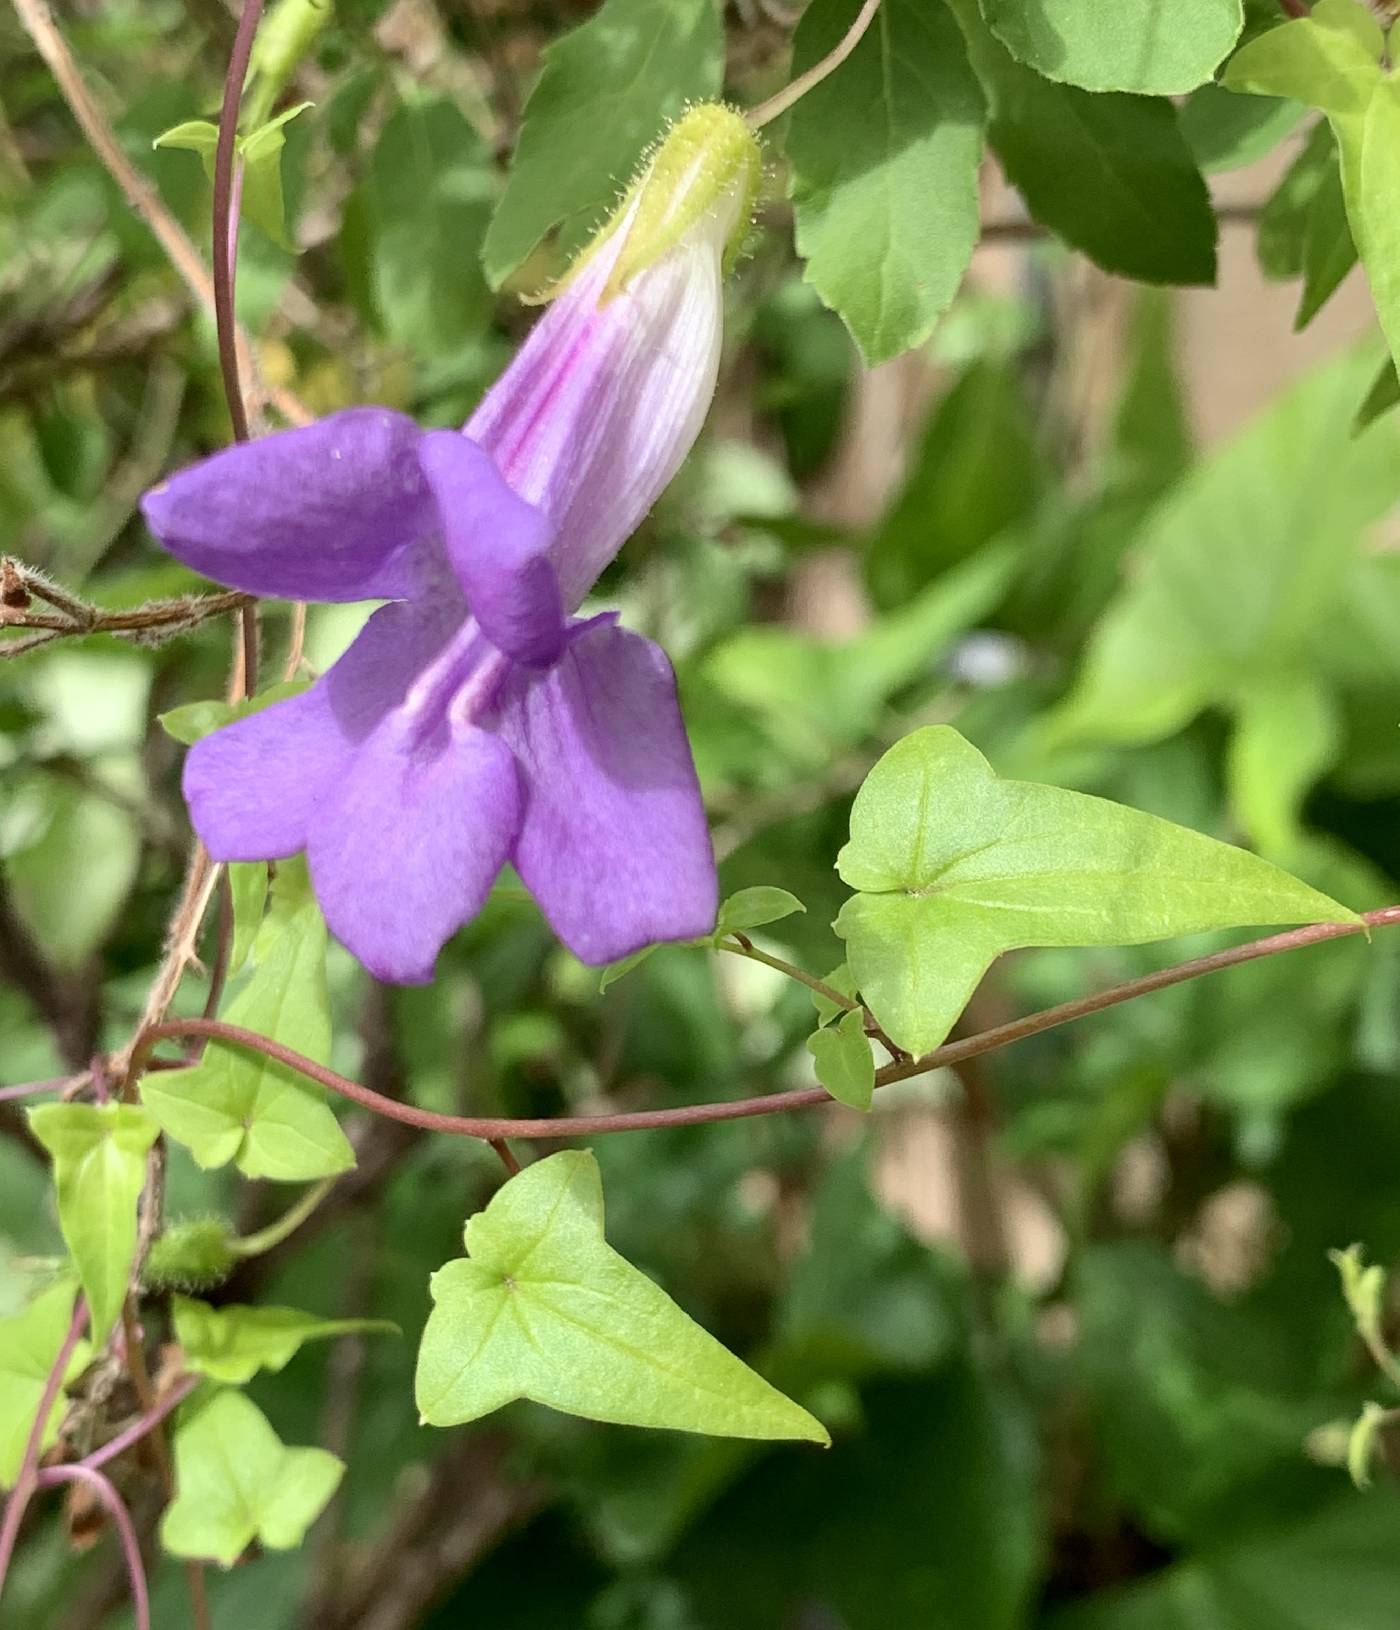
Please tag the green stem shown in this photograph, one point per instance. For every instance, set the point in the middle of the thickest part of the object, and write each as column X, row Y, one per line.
column 744, row 946
column 288, row 1223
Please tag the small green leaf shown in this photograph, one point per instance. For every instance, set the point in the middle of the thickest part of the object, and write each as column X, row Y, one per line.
column 1111, row 174
column 195, row 720
column 29, row 1345
column 1161, row 47
column 1364, row 1290
column 606, row 90
column 752, row 908
column 239, row 1105
column 1361, row 1443
column 99, row 1163
column 620, row 969
column 194, row 136
column 1329, row 59
column 839, row 979
column 885, row 156
column 237, row 1483
column 261, row 152
column 233, row 1343
column 843, row 1061
column 543, row 1308
column 956, row 866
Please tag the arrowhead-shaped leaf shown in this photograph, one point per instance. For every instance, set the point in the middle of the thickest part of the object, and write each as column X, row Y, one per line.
column 237, row 1483
column 544, row 1308
column 99, row 1166
column 29, row 1344
column 238, row 1105
column 233, row 1343
column 752, row 908
column 956, row 866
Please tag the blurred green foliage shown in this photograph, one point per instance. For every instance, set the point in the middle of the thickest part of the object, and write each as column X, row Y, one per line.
column 1089, row 1367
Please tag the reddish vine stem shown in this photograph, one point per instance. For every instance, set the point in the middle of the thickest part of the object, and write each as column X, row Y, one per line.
column 120, row 1519
column 224, row 224
column 493, row 1128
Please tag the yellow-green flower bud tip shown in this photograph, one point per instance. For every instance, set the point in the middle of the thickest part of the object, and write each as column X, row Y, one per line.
column 703, row 173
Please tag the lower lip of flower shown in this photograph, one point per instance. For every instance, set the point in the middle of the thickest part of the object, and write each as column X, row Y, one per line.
column 459, row 685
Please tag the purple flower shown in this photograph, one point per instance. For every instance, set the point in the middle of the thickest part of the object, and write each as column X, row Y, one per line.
column 476, row 720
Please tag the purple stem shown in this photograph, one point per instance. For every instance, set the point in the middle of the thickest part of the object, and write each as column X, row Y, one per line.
column 226, row 213
column 138, row 1428
column 28, row 1478
column 121, row 1521
column 31, row 1089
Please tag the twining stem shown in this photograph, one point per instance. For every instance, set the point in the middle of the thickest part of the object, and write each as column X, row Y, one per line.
column 121, row 1520
column 28, row 1478
column 139, row 1428
column 776, row 1103
column 225, row 240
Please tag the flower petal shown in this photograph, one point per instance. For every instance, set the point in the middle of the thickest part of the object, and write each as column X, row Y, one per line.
column 408, row 843
column 498, row 546
column 613, row 843
column 603, row 401
column 338, row 510
column 252, row 786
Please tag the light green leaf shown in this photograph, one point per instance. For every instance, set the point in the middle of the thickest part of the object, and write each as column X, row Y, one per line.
column 99, row 1164
column 238, row 1105
column 1110, row 174
column 237, row 1483
column 248, row 882
column 194, row 136
column 885, row 155
column 29, row 1346
column 1329, row 59
column 839, row 978
column 192, row 721
column 955, row 866
column 1286, row 735
column 543, row 1308
column 607, row 90
column 261, row 152
column 752, row 908
column 1161, row 47
column 843, row 1061
column 233, row 1343
column 1237, row 566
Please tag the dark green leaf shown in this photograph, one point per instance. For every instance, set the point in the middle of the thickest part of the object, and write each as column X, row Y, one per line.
column 884, row 157
column 606, row 91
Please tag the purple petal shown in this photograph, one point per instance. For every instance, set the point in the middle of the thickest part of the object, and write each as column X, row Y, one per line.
column 613, row 844
column 498, row 546
column 408, row 842
column 338, row 510
column 603, row 401
column 252, row 787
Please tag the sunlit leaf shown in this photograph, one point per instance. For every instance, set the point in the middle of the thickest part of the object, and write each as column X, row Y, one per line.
column 543, row 1308
column 955, row 866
